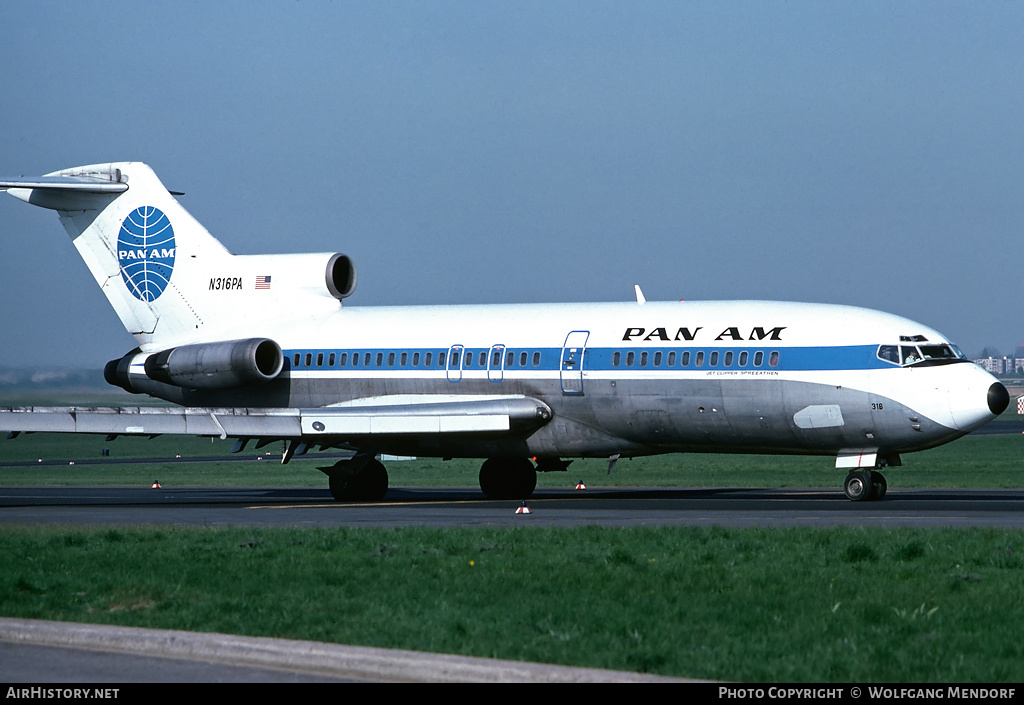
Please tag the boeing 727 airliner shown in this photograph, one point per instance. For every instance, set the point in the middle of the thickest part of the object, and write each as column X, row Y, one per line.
column 259, row 348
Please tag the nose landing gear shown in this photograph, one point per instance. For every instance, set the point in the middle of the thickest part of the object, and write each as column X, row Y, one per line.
column 865, row 485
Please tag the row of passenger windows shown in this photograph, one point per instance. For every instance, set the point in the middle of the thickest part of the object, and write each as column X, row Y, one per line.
column 655, row 359
column 444, row 358
column 458, row 357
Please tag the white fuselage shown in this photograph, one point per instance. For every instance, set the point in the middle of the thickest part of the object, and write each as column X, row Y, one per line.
column 631, row 379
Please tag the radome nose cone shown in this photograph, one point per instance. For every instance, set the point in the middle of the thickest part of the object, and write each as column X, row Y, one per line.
column 998, row 398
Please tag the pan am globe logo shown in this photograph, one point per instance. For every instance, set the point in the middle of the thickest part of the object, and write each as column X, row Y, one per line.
column 145, row 252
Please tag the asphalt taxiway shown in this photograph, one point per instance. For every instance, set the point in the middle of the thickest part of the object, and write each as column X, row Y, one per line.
column 454, row 507
column 41, row 651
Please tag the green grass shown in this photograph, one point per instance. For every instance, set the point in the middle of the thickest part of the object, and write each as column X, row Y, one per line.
column 789, row 605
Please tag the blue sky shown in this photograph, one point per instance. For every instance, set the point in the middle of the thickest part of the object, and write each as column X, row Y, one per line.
column 867, row 153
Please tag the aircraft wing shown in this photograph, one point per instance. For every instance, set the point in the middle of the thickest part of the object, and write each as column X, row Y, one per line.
column 364, row 417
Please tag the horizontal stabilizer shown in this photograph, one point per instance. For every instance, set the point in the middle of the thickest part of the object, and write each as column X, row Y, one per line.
column 80, row 184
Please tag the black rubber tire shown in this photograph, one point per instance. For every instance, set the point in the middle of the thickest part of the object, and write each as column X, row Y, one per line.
column 508, row 478
column 858, row 486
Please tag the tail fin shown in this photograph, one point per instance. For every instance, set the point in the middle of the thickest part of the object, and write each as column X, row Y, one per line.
column 169, row 280
column 134, row 237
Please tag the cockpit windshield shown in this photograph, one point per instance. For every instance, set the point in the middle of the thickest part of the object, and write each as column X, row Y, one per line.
column 905, row 355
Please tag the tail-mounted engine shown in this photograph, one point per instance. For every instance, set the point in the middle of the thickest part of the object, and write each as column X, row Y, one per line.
column 341, row 276
column 222, row 365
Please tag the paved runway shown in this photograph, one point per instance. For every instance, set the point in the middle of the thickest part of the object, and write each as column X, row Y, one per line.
column 449, row 507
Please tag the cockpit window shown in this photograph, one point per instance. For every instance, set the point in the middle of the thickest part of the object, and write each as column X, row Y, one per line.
column 909, row 355
column 889, row 353
column 916, row 354
column 938, row 352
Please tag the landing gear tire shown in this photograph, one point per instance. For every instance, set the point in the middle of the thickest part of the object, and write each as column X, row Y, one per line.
column 865, row 486
column 508, row 478
column 878, row 485
column 859, row 486
column 369, row 484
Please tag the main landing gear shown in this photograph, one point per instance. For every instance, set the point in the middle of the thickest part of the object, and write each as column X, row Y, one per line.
column 364, row 478
column 508, row 478
column 865, row 485
column 361, row 479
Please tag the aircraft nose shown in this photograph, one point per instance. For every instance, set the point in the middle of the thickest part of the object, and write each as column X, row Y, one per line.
column 975, row 397
column 998, row 398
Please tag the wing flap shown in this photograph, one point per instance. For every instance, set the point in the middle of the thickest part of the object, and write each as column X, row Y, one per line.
column 362, row 425
column 152, row 421
column 428, row 415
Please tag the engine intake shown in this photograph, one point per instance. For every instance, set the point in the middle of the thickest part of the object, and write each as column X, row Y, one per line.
column 341, row 276
column 234, row 363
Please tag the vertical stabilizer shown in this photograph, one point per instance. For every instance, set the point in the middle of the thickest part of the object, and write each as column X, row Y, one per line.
column 170, row 281
column 136, row 239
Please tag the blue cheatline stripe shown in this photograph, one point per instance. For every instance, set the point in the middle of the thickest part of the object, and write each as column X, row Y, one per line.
column 791, row 359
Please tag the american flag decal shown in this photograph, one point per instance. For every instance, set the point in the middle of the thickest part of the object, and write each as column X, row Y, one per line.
column 263, row 281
